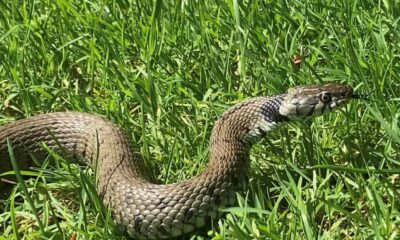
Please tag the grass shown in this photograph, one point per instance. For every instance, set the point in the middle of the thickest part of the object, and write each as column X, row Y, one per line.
column 165, row 71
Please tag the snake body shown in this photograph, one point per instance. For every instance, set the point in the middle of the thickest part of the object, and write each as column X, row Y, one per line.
column 152, row 211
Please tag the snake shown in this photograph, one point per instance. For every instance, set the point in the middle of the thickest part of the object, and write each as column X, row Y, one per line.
column 146, row 210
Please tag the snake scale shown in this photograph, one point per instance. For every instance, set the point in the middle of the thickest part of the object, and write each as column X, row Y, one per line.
column 153, row 211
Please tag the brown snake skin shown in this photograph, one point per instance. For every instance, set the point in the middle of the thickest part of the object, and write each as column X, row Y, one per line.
column 150, row 211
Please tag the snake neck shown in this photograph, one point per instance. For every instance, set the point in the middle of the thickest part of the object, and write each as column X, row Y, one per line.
column 238, row 129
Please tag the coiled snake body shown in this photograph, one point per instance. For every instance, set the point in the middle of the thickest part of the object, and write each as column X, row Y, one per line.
column 150, row 211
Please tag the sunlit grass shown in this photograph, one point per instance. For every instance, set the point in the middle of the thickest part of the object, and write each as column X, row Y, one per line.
column 165, row 71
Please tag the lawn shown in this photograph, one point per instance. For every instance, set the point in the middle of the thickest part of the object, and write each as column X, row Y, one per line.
column 166, row 70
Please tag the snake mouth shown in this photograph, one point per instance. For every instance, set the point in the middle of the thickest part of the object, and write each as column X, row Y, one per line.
column 348, row 92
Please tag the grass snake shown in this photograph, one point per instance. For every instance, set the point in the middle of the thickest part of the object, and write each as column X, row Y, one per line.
column 153, row 211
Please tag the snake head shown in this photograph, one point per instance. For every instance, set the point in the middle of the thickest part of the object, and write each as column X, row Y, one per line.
column 315, row 100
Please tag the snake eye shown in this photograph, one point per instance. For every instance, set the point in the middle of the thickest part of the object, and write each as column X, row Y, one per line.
column 325, row 97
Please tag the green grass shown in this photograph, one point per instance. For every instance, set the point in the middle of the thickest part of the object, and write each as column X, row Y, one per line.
column 166, row 70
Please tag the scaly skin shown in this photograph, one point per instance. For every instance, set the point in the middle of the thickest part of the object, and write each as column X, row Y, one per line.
column 150, row 211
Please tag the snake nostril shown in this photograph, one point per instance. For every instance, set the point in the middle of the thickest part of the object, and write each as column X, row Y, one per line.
column 347, row 91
